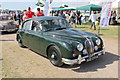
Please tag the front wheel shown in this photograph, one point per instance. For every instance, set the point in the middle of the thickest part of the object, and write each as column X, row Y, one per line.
column 54, row 56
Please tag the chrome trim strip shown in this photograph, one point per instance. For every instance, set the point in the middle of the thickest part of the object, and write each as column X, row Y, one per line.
column 80, row 59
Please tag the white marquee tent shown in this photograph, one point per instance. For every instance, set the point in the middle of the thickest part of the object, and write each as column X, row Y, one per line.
column 116, row 4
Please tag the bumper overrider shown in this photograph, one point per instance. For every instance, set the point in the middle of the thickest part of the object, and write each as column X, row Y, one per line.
column 82, row 59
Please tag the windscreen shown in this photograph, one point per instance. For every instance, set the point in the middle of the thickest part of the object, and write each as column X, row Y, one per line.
column 54, row 24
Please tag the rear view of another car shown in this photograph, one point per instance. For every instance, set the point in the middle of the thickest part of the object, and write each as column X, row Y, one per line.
column 7, row 24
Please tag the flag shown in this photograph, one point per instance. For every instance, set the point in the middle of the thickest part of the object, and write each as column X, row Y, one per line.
column 105, row 14
column 47, row 8
column 0, row 6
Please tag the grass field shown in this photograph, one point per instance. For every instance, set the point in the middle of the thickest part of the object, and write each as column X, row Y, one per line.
column 111, row 31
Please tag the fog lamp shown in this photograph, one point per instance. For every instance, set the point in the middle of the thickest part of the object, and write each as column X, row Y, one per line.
column 96, row 48
column 85, row 51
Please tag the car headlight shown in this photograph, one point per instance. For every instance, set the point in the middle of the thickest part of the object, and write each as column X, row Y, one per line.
column 98, row 41
column 80, row 47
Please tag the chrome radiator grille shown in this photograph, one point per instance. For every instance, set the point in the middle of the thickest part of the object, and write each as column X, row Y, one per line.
column 89, row 45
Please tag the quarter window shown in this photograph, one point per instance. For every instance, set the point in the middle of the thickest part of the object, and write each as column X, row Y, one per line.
column 27, row 25
column 35, row 26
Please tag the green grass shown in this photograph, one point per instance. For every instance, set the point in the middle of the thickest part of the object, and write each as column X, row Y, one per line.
column 111, row 31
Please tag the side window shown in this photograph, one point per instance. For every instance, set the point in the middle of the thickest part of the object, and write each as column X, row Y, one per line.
column 27, row 25
column 35, row 26
column 44, row 25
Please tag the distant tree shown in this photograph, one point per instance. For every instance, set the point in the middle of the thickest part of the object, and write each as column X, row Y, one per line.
column 61, row 7
column 65, row 5
column 40, row 4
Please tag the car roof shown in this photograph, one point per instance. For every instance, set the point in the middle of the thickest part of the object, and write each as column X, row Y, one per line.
column 45, row 18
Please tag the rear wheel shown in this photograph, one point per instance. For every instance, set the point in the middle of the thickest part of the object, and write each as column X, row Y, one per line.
column 54, row 56
column 20, row 43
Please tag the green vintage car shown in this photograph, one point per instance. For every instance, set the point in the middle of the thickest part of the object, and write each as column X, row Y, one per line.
column 54, row 38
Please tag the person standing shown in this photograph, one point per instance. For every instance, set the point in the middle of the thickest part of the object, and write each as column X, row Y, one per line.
column 73, row 18
column 19, row 18
column 11, row 14
column 14, row 16
column 93, row 20
column 24, row 16
column 60, row 13
column 79, row 15
column 66, row 16
column 39, row 13
column 29, row 13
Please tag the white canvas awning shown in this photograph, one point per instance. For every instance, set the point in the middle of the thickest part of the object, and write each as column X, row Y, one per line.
column 116, row 4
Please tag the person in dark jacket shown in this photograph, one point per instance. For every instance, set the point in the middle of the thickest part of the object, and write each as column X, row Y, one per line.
column 19, row 18
column 79, row 17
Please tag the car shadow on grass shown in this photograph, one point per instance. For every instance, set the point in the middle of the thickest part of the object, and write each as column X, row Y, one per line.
column 104, row 29
column 96, row 64
column 83, row 27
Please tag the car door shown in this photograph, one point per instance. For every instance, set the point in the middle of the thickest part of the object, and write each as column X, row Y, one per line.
column 25, row 33
column 36, row 38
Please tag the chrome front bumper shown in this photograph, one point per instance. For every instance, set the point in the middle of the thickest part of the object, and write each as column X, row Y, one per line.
column 82, row 59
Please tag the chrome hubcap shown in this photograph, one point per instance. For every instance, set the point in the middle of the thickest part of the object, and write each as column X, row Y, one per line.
column 53, row 56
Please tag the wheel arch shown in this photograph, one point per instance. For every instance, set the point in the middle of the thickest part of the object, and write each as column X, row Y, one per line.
column 17, row 37
column 52, row 44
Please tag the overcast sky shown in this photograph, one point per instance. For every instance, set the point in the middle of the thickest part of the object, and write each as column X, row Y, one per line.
column 41, row 0
column 23, row 4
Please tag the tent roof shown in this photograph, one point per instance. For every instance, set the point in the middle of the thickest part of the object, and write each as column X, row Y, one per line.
column 67, row 8
column 90, row 7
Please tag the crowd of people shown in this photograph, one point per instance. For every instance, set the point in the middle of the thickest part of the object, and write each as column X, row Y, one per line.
column 72, row 16
column 76, row 17
column 24, row 15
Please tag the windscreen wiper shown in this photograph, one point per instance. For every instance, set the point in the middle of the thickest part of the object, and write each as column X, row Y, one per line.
column 49, row 30
column 60, row 28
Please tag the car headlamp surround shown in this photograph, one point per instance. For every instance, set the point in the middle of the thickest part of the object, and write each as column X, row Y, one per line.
column 80, row 47
column 98, row 42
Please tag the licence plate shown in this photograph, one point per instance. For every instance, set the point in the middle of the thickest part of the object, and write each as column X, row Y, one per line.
column 92, row 58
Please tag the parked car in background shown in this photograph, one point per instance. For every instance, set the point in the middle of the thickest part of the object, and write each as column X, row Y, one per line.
column 7, row 24
column 55, row 38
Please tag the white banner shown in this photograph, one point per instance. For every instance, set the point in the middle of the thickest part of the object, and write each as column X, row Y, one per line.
column 47, row 8
column 105, row 14
column 0, row 5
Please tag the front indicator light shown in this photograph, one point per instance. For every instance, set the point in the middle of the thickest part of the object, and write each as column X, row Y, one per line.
column 74, row 55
